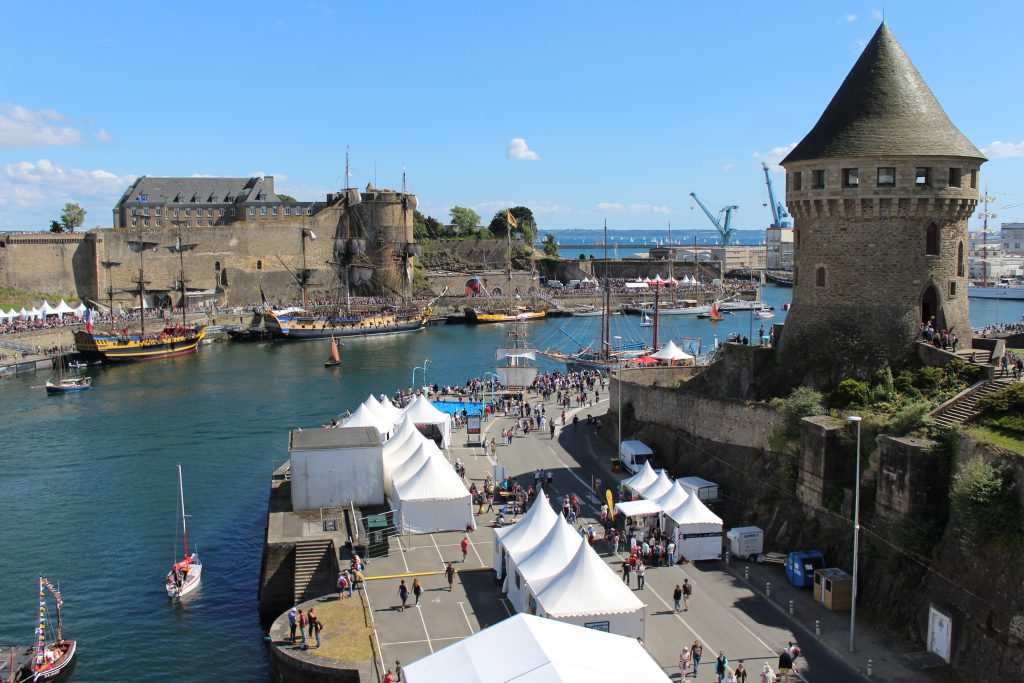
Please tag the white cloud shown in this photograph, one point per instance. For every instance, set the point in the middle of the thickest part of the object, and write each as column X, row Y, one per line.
column 102, row 135
column 999, row 150
column 518, row 149
column 497, row 205
column 850, row 18
column 33, row 193
column 728, row 166
column 610, row 206
column 21, row 128
column 548, row 207
column 773, row 156
column 647, row 208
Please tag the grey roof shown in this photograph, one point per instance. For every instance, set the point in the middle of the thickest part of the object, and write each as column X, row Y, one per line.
column 343, row 437
column 198, row 190
column 883, row 108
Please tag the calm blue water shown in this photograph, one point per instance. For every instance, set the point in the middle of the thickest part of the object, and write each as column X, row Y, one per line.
column 89, row 492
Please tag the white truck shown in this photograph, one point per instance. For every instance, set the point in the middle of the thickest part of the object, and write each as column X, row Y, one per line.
column 633, row 455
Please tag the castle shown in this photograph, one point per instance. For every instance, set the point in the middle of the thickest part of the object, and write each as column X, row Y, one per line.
column 880, row 191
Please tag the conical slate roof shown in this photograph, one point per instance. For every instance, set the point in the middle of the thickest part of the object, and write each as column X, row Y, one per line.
column 883, row 108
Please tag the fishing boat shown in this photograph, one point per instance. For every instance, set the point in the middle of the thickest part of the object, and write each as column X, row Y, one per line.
column 185, row 574
column 66, row 384
column 509, row 313
column 334, row 358
column 51, row 659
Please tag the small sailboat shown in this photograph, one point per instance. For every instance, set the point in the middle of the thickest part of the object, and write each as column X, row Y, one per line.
column 715, row 315
column 53, row 658
column 646, row 321
column 184, row 575
column 335, row 357
column 62, row 384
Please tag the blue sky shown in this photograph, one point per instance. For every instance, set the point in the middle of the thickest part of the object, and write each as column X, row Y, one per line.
column 582, row 111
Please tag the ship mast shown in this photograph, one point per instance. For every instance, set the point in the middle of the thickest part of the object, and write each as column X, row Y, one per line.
column 180, row 250
column 985, row 215
column 605, row 313
column 141, row 246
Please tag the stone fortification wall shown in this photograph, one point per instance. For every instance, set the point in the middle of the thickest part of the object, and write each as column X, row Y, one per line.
column 63, row 265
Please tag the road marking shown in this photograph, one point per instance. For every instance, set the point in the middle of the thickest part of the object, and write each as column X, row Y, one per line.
column 437, row 548
column 505, row 604
column 468, row 623
column 402, row 553
column 478, row 558
column 413, row 642
column 423, row 621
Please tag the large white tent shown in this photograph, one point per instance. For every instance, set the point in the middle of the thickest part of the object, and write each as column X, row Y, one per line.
column 549, row 558
column 587, row 592
column 545, row 651
column 673, row 498
column 46, row 309
column 433, row 499
column 697, row 530
column 389, row 412
column 80, row 310
column 658, row 488
column 365, row 417
column 423, row 412
column 642, row 479
column 397, row 449
column 524, row 534
column 409, row 466
column 638, row 508
column 63, row 309
column 670, row 353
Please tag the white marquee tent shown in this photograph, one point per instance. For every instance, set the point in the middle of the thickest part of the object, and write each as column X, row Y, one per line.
column 546, row 651
column 670, row 353
column 642, row 479
column 525, row 534
column 399, row 447
column 674, row 497
column 658, row 488
column 638, row 508
column 80, row 310
column 697, row 530
column 365, row 417
column 46, row 309
column 588, row 592
column 409, row 466
column 548, row 559
column 63, row 309
column 389, row 412
column 433, row 499
column 423, row 412
column 4, row 315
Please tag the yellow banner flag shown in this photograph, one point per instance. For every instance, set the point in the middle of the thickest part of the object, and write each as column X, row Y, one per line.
column 510, row 220
column 611, row 504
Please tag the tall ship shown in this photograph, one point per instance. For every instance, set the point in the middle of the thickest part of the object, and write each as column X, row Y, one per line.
column 510, row 312
column 517, row 362
column 123, row 346
column 53, row 657
column 294, row 323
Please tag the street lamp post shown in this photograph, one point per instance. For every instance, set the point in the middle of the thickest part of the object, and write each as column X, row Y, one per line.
column 618, row 379
column 412, row 385
column 495, row 376
column 855, row 419
column 425, row 361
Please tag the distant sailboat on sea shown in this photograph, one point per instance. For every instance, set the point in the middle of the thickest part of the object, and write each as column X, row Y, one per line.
column 335, row 357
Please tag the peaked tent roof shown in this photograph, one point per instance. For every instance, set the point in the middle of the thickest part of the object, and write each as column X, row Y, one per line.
column 552, row 554
column 883, row 108
column 586, row 586
column 80, row 309
column 412, row 463
column 406, row 430
column 671, row 352
column 422, row 410
column 435, row 480
column 694, row 511
column 62, row 308
column 546, row 651
column 642, row 479
column 365, row 417
column 658, row 488
column 387, row 410
column 530, row 530
column 674, row 497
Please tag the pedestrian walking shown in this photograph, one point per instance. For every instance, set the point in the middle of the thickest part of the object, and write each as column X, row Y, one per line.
column 740, row 673
column 721, row 665
column 403, row 593
column 465, row 548
column 550, row 478
column 785, row 665
column 417, row 589
column 291, row 622
column 677, row 596
column 767, row 675
column 316, row 631
column 696, row 650
column 641, row 570
column 311, row 621
column 625, row 571
column 398, row 671
column 684, row 662
column 389, row 677
column 687, row 592
column 449, row 573
column 551, row 428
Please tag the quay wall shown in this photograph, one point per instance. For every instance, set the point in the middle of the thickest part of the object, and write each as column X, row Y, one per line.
column 61, row 265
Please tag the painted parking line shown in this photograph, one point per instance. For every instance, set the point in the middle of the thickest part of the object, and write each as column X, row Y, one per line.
column 468, row 622
column 376, row 636
column 416, row 642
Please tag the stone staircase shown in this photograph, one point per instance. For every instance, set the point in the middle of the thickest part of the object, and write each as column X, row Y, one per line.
column 981, row 356
column 311, row 564
column 962, row 407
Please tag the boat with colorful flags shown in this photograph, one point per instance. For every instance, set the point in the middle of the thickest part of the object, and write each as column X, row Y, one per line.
column 53, row 658
column 185, row 574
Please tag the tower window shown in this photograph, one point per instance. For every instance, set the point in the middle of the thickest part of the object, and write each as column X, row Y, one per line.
column 886, row 176
column 923, row 177
column 817, row 179
column 796, row 181
column 931, row 241
column 216, row 265
column 952, row 287
column 851, row 177
column 819, row 278
column 960, row 259
column 263, row 211
column 974, row 179
column 955, row 175
column 259, row 265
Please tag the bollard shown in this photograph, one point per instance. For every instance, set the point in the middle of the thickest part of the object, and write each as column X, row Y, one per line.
column 871, row 663
column 727, row 557
column 746, row 573
column 768, row 588
column 817, row 628
column 790, row 608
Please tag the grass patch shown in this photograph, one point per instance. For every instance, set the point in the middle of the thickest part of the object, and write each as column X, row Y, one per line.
column 345, row 637
column 11, row 297
column 999, row 438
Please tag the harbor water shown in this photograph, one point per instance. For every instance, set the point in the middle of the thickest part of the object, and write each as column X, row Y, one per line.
column 88, row 483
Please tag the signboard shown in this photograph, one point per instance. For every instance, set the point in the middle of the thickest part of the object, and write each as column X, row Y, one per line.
column 598, row 625
column 473, row 424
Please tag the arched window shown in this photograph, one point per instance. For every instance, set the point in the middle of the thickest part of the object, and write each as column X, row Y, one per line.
column 216, row 265
column 931, row 242
column 820, row 276
column 259, row 265
column 960, row 259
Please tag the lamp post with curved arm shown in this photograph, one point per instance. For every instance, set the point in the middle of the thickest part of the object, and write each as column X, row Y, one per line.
column 495, row 376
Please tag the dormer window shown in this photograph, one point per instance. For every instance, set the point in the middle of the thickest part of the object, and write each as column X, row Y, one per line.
column 851, row 177
column 818, row 179
column 261, row 197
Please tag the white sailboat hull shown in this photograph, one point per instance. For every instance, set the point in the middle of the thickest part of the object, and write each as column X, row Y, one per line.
column 191, row 582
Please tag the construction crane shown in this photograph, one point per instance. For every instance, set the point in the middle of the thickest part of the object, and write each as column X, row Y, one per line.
column 779, row 214
column 724, row 225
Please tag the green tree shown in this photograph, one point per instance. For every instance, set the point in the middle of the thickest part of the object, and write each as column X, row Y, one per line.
column 426, row 227
column 550, row 246
column 848, row 393
column 287, row 198
column 55, row 226
column 73, row 216
column 526, row 224
column 465, row 221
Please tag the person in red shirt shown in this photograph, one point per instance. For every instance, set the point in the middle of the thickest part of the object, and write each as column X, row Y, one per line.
column 465, row 547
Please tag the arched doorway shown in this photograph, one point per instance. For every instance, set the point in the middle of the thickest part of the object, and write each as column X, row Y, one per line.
column 930, row 306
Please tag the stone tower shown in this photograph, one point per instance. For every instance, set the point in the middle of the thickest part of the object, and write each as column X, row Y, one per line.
column 880, row 191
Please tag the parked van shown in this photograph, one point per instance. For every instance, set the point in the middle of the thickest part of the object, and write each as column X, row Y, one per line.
column 555, row 284
column 573, row 284
column 633, row 455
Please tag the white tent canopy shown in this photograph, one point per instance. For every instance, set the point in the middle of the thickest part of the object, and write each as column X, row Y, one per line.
column 433, row 499
column 525, row 534
column 698, row 530
column 549, row 558
column 642, row 479
column 423, row 412
column 389, row 412
column 365, row 417
column 399, row 447
column 638, row 508
column 46, row 309
column 674, row 497
column 658, row 488
column 671, row 353
column 80, row 310
column 545, row 651
column 4, row 315
column 587, row 590
column 63, row 309
column 405, row 469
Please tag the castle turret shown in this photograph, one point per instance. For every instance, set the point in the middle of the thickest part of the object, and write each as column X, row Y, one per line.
column 880, row 191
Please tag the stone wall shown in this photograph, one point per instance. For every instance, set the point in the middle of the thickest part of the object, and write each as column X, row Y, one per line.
column 59, row 264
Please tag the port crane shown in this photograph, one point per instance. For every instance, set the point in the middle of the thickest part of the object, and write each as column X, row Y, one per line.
column 723, row 224
column 780, row 217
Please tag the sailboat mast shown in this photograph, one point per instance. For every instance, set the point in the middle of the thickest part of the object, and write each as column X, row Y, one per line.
column 671, row 263
column 181, row 492
column 181, row 277
column 655, row 339
column 41, row 625
column 304, row 274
